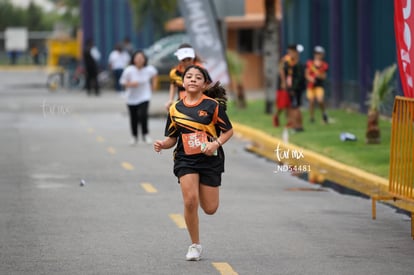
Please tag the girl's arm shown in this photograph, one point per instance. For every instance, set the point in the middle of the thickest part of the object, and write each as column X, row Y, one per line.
column 171, row 96
column 224, row 137
column 211, row 147
column 167, row 143
column 282, row 76
column 308, row 75
column 322, row 74
column 125, row 80
column 131, row 84
column 154, row 82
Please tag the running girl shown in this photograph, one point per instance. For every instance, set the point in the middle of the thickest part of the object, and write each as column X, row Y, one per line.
column 199, row 126
column 139, row 80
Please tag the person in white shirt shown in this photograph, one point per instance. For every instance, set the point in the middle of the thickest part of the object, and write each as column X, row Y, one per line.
column 96, row 54
column 118, row 60
column 139, row 80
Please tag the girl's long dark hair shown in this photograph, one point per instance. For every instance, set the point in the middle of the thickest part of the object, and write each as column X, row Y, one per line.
column 215, row 91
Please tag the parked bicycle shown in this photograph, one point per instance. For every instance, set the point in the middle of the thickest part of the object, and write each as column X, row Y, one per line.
column 59, row 78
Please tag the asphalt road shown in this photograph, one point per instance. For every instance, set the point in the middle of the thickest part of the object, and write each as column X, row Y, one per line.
column 121, row 220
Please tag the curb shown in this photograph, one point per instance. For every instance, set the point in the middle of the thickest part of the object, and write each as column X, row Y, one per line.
column 323, row 168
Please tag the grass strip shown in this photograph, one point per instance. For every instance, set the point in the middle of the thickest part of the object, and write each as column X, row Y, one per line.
column 325, row 138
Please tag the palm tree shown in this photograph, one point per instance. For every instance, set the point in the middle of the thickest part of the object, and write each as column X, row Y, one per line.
column 381, row 88
column 236, row 67
column 270, row 52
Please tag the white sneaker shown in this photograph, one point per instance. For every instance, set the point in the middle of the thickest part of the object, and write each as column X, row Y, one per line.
column 147, row 139
column 133, row 141
column 194, row 252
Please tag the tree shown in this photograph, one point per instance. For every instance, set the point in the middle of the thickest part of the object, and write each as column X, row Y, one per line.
column 270, row 53
column 381, row 89
column 10, row 15
column 34, row 17
column 160, row 11
column 71, row 10
column 236, row 67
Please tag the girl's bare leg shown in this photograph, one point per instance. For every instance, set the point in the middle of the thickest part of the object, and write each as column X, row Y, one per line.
column 190, row 189
column 209, row 198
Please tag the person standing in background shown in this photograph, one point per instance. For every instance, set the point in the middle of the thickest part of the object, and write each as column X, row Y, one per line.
column 91, row 57
column 118, row 60
column 315, row 75
column 34, row 53
column 128, row 46
column 282, row 95
column 13, row 54
column 139, row 80
column 186, row 57
column 292, row 79
column 96, row 54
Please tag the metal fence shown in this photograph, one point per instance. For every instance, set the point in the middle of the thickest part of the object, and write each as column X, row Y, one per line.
column 401, row 179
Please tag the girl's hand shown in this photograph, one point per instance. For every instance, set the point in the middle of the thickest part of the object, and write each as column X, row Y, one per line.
column 312, row 79
column 133, row 84
column 210, row 148
column 158, row 145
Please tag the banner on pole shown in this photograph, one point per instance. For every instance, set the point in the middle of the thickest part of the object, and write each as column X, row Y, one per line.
column 404, row 26
column 201, row 26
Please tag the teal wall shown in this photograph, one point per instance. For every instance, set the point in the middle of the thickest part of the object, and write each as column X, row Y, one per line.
column 108, row 22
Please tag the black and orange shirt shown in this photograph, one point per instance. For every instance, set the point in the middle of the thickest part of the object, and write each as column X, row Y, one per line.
column 295, row 74
column 194, row 125
column 176, row 77
column 314, row 71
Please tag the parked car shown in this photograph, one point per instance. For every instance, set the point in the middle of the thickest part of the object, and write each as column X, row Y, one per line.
column 161, row 54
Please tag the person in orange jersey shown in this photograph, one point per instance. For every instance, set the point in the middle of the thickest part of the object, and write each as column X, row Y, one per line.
column 315, row 75
column 186, row 57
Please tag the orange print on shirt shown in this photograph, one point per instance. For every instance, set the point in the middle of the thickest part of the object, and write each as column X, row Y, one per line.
column 202, row 113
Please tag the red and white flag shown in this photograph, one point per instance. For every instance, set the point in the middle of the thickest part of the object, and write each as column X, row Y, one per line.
column 404, row 27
